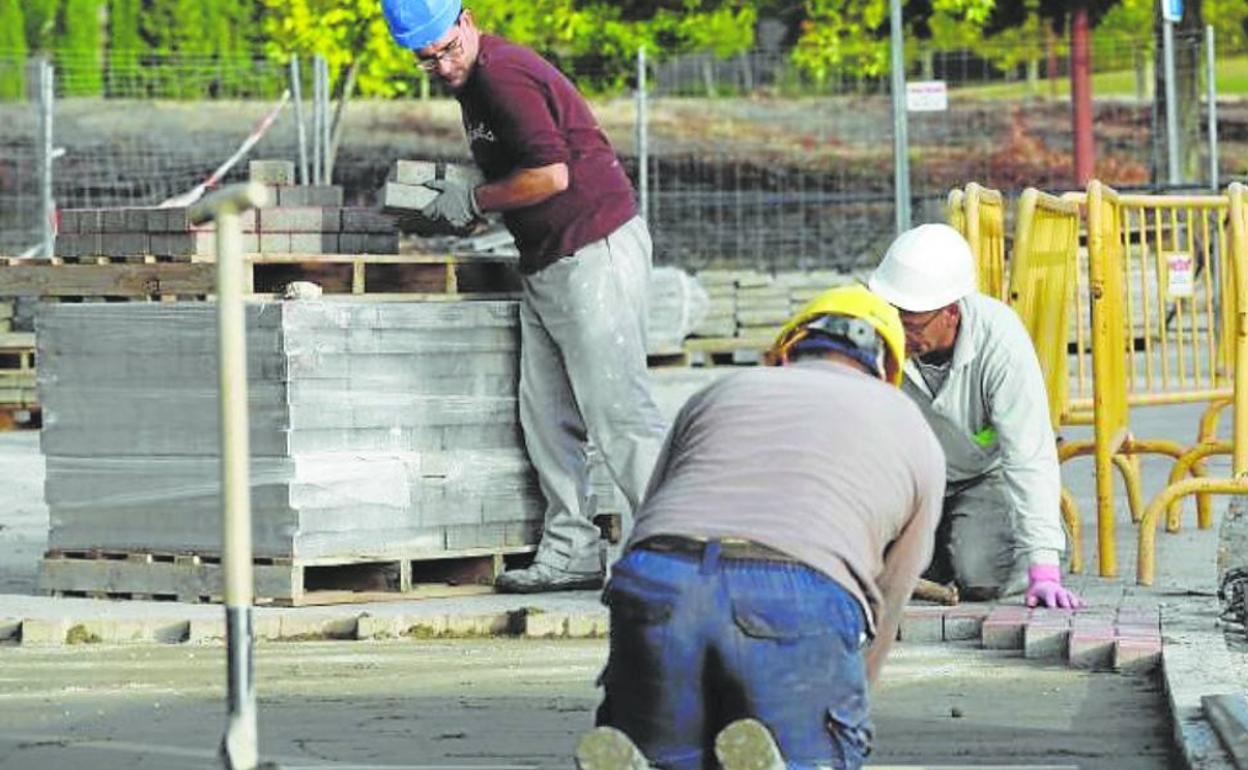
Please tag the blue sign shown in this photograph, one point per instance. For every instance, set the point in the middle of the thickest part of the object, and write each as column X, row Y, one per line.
column 1172, row 10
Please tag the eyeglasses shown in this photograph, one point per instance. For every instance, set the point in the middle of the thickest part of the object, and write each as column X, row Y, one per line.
column 914, row 327
column 449, row 51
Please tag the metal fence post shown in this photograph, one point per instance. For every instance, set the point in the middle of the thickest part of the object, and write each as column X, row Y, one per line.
column 47, row 97
column 317, row 116
column 1212, row 78
column 1173, row 171
column 643, row 138
column 296, row 90
column 901, row 140
column 326, row 127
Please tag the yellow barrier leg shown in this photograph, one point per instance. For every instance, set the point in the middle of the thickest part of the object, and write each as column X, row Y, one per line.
column 1204, row 500
column 1128, row 466
column 1070, row 515
column 1071, row 449
column 1208, row 435
column 1106, row 549
column 1146, row 555
column 1191, row 463
column 1209, row 421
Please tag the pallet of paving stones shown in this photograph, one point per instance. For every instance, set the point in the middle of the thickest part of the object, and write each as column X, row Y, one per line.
column 376, row 277
column 279, row 581
column 750, row 303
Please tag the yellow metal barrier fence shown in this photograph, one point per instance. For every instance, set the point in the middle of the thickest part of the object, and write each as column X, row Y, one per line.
column 1042, row 281
column 979, row 214
column 1237, row 202
column 1176, row 309
column 1113, row 337
column 1173, row 267
column 955, row 210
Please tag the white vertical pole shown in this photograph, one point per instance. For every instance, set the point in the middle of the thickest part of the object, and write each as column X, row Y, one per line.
column 643, row 137
column 901, row 139
column 1174, row 172
column 326, row 127
column 1212, row 84
column 296, row 90
column 47, row 101
column 317, row 116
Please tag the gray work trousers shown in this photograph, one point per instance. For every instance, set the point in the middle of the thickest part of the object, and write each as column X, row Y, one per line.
column 583, row 377
column 975, row 545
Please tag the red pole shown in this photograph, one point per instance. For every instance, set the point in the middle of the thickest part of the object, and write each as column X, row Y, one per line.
column 1081, row 95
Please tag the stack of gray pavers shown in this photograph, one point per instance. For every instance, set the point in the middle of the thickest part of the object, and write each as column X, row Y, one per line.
column 377, row 430
column 300, row 220
column 753, row 304
column 721, row 314
column 675, row 305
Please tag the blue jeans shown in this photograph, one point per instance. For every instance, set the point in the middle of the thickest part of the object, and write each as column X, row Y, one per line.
column 698, row 642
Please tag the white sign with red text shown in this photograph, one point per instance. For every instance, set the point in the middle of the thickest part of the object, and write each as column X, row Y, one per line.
column 927, row 96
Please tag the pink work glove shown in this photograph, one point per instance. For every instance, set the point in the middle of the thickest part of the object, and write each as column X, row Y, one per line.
column 1044, row 586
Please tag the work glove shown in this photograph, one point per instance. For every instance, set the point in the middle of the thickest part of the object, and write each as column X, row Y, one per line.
column 455, row 208
column 1044, row 587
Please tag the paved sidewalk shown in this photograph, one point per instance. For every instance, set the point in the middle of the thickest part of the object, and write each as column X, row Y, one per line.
column 1171, row 625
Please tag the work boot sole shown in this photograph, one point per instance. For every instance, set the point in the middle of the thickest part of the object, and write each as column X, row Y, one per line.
column 606, row 748
column 746, row 744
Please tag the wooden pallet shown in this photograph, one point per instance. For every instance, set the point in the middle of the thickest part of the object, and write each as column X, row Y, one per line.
column 667, row 358
column 375, row 277
column 287, row 582
column 19, row 397
column 735, row 351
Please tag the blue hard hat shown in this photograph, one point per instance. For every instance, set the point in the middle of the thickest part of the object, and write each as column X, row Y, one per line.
column 416, row 24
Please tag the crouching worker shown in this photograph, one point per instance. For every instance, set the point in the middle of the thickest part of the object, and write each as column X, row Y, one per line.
column 973, row 372
column 789, row 516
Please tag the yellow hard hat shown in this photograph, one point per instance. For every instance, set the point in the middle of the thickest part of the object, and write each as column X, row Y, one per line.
column 850, row 302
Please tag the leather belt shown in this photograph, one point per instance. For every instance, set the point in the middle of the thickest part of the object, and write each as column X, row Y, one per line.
column 729, row 548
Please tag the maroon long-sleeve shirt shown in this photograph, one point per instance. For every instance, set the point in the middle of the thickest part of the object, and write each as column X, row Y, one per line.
column 520, row 112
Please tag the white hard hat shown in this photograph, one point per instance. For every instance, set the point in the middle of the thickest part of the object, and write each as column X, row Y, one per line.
column 926, row 268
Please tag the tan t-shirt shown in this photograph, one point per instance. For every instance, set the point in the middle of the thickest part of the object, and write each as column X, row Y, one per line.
column 818, row 460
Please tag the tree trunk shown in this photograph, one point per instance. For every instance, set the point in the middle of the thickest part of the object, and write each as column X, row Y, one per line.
column 1050, row 60
column 708, row 76
column 747, row 73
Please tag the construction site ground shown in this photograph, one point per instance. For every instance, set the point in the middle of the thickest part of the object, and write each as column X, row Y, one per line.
column 507, row 695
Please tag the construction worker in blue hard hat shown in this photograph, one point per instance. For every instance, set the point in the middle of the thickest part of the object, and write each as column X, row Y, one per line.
column 787, row 522
column 973, row 371
column 586, row 259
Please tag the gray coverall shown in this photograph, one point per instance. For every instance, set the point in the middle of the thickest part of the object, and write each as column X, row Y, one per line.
column 991, row 416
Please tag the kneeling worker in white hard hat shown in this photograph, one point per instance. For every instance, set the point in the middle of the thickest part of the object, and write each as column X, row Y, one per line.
column 789, row 516
column 973, row 371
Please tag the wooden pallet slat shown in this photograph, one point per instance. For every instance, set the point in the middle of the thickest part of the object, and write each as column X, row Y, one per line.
column 348, row 274
column 278, row 581
column 108, row 280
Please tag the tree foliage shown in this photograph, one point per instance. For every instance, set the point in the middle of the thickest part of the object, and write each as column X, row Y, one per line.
column 40, row 23
column 80, row 48
column 596, row 41
column 13, row 49
column 342, row 31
